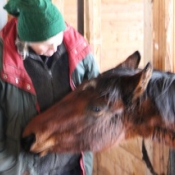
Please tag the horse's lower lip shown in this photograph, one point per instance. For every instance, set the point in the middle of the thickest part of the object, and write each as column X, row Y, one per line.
column 27, row 142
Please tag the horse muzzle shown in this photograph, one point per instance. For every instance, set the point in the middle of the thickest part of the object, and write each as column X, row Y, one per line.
column 27, row 142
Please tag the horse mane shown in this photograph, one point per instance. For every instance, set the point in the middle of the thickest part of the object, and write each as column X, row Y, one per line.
column 161, row 89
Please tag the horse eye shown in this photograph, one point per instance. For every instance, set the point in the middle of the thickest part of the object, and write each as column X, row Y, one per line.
column 96, row 109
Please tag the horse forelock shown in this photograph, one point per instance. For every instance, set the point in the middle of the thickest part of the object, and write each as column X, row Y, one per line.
column 110, row 83
column 109, row 88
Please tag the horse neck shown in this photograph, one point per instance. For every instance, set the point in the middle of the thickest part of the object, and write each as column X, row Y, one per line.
column 147, row 110
column 161, row 92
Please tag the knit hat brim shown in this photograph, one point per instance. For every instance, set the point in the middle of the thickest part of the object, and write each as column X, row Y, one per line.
column 38, row 20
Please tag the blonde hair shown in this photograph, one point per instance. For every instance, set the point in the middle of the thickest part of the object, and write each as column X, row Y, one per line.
column 22, row 47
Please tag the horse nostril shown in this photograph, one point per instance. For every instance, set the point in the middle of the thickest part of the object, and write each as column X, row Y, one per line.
column 26, row 142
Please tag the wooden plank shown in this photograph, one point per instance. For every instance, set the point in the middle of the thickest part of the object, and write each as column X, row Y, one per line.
column 163, row 19
column 158, row 34
column 119, row 157
column 93, row 26
column 120, row 1
column 169, row 35
column 162, row 59
column 121, row 9
column 173, row 47
column 59, row 4
column 148, row 31
column 80, row 16
column 160, row 158
column 70, row 12
column 134, row 147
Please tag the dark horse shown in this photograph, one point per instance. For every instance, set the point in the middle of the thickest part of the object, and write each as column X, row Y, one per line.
column 119, row 104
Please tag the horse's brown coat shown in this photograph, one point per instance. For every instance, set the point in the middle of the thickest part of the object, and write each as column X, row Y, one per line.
column 112, row 107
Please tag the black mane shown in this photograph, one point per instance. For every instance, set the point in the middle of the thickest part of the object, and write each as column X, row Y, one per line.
column 161, row 89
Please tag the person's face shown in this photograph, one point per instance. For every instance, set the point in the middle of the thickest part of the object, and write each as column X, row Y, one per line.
column 48, row 47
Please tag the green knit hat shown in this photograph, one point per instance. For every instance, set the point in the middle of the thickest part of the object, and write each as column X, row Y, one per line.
column 38, row 20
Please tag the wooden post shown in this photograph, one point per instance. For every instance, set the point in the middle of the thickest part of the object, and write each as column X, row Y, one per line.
column 159, row 46
column 148, row 31
column 93, row 26
column 163, row 34
column 163, row 59
column 173, row 36
column 169, row 17
column 80, row 16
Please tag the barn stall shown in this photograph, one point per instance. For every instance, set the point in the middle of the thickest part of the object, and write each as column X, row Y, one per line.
column 115, row 29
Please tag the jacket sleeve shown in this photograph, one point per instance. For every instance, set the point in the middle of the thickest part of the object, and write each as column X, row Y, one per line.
column 88, row 162
column 7, row 159
column 91, row 67
column 85, row 70
column 2, row 124
column 2, row 131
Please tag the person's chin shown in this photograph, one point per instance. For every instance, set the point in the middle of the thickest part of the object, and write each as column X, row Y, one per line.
column 49, row 54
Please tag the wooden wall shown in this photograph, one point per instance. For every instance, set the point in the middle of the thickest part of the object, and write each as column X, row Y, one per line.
column 122, row 30
column 163, row 38
column 3, row 14
column 115, row 29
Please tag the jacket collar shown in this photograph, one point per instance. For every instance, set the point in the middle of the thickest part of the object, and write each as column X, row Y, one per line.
column 13, row 70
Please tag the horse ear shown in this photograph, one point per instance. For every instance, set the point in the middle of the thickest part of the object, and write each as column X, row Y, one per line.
column 143, row 80
column 132, row 61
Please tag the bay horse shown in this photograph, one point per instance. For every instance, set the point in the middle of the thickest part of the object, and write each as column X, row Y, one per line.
column 119, row 104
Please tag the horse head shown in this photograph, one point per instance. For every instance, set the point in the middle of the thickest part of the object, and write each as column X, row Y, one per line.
column 99, row 113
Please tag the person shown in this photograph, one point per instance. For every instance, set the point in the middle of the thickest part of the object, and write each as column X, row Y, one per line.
column 42, row 59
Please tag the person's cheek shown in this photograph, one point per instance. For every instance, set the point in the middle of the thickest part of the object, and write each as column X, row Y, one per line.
column 41, row 50
column 49, row 53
